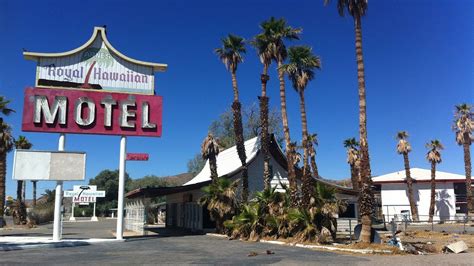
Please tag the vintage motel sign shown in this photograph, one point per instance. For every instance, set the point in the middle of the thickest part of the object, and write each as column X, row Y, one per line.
column 96, row 65
column 93, row 89
column 84, row 194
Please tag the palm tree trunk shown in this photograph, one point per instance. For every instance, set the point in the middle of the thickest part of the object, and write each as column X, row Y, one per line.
column 264, row 133
column 411, row 197
column 354, row 177
column 467, row 166
column 34, row 193
column 286, row 131
column 433, row 192
column 239, row 138
column 313, row 160
column 307, row 184
column 3, row 171
column 366, row 197
column 19, row 190
column 212, row 167
column 23, row 192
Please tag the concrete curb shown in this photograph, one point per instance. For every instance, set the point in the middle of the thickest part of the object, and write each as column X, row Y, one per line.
column 19, row 243
column 281, row 243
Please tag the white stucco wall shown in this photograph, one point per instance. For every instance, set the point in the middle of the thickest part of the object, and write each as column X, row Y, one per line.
column 397, row 194
column 255, row 173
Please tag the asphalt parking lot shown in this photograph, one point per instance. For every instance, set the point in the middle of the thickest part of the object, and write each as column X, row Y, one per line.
column 197, row 249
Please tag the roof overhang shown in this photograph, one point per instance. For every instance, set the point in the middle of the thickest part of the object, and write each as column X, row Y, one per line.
column 152, row 192
column 420, row 181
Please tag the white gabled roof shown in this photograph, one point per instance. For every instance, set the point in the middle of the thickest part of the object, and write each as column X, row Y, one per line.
column 227, row 161
column 418, row 174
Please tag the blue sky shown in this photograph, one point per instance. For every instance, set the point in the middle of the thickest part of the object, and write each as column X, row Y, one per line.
column 418, row 58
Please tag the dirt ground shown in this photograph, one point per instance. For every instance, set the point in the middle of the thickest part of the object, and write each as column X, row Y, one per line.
column 434, row 242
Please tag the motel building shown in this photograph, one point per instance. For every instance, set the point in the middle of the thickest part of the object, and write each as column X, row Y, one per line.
column 182, row 202
column 450, row 202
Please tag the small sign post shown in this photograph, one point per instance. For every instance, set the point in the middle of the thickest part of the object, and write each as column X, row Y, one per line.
column 84, row 195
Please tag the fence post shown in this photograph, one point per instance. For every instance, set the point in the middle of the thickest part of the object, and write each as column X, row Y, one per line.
column 465, row 221
column 350, row 230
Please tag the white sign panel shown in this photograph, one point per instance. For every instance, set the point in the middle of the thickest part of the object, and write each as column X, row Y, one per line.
column 49, row 165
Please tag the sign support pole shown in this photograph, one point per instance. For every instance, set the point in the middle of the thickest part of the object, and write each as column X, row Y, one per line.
column 94, row 218
column 58, row 197
column 72, row 218
column 121, row 188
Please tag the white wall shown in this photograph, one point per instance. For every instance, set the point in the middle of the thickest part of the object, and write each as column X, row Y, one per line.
column 397, row 194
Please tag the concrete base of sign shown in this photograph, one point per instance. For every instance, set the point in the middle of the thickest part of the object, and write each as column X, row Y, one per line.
column 72, row 218
column 19, row 243
column 94, row 219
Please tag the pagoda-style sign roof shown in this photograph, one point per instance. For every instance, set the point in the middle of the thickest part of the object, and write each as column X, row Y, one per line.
column 95, row 65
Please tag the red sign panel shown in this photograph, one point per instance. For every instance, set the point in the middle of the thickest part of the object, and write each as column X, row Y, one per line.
column 91, row 112
column 137, row 156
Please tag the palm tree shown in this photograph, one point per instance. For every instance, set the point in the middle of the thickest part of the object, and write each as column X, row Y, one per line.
column 6, row 145
column 300, row 70
column 404, row 147
column 4, row 109
column 262, row 44
column 209, row 151
column 231, row 55
column 34, row 192
column 312, row 143
column 21, row 143
column 219, row 198
column 434, row 157
column 357, row 9
column 277, row 31
column 464, row 128
column 353, row 159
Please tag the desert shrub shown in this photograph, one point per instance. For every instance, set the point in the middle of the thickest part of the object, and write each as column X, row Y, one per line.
column 42, row 213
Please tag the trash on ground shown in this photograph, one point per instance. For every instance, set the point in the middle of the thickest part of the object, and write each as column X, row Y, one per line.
column 457, row 247
column 252, row 254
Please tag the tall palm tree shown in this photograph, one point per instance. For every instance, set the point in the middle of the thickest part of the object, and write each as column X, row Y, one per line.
column 434, row 157
column 21, row 143
column 312, row 143
column 357, row 9
column 34, row 192
column 6, row 145
column 300, row 70
column 464, row 128
column 262, row 45
column 209, row 151
column 353, row 159
column 231, row 55
column 277, row 31
column 404, row 147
